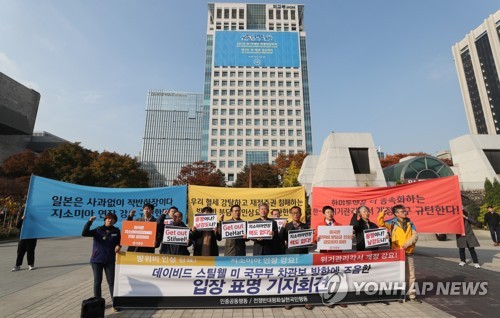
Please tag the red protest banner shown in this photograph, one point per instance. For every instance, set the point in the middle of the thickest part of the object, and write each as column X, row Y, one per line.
column 434, row 206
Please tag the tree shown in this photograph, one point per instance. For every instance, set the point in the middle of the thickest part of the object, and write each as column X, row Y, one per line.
column 282, row 161
column 290, row 179
column 19, row 164
column 491, row 197
column 263, row 175
column 390, row 160
column 201, row 173
column 113, row 170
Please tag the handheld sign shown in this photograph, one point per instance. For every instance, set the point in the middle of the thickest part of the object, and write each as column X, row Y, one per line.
column 233, row 229
column 205, row 222
column 168, row 221
column 259, row 229
column 138, row 233
column 376, row 237
column 334, row 238
column 300, row 238
column 176, row 235
column 280, row 222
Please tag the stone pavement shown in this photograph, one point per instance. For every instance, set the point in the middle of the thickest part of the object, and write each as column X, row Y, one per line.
column 63, row 278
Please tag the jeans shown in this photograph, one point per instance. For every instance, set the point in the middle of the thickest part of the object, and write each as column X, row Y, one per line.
column 109, row 270
column 495, row 234
column 461, row 252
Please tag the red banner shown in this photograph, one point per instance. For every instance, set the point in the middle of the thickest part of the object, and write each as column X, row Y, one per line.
column 434, row 206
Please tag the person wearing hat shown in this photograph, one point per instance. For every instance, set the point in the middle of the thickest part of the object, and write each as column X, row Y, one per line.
column 106, row 245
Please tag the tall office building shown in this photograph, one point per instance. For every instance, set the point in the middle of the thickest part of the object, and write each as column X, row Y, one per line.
column 172, row 136
column 477, row 58
column 256, row 94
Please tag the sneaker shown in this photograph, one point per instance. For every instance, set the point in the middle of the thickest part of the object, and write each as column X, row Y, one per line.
column 15, row 268
column 31, row 268
column 415, row 300
column 116, row 309
column 461, row 264
column 476, row 265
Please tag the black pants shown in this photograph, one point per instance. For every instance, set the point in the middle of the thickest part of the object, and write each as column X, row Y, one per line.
column 23, row 247
column 495, row 234
column 461, row 251
column 109, row 270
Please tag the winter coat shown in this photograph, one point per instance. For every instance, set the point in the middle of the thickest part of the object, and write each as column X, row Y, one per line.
column 105, row 241
column 400, row 237
column 469, row 239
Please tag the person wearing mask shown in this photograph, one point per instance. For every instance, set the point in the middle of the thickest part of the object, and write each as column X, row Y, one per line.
column 236, row 246
column 147, row 211
column 205, row 242
column 106, row 243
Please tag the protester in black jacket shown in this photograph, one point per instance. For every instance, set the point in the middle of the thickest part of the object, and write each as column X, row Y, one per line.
column 360, row 221
column 25, row 246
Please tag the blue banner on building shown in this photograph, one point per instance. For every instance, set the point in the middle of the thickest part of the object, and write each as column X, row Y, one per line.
column 56, row 209
column 252, row 48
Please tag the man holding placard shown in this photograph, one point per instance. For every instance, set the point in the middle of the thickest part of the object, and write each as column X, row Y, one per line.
column 147, row 211
column 205, row 233
column 360, row 222
column 234, row 232
column 176, row 237
column 262, row 231
column 297, row 245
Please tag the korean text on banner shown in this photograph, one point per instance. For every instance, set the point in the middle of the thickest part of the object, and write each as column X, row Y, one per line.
column 221, row 200
column 138, row 233
column 434, row 206
column 333, row 238
column 205, row 222
column 300, row 238
column 56, row 209
column 376, row 237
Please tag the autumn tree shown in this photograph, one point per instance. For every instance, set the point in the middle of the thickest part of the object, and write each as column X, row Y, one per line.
column 201, row 173
column 283, row 164
column 290, row 179
column 263, row 175
column 113, row 170
column 15, row 174
column 390, row 160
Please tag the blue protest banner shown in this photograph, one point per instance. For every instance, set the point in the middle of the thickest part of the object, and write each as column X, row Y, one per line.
column 56, row 209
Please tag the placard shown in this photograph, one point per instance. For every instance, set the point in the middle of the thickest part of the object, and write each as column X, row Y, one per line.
column 168, row 221
column 300, row 238
column 376, row 237
column 138, row 233
column 205, row 222
column 281, row 222
column 259, row 229
column 233, row 229
column 334, row 238
column 176, row 235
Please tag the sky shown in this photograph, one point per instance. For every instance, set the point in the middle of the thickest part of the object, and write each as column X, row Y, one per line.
column 379, row 66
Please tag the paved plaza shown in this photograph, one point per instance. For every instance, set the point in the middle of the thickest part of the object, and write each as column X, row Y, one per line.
column 63, row 278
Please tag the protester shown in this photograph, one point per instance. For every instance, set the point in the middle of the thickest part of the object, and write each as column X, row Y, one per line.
column 236, row 246
column 360, row 222
column 205, row 242
column 403, row 235
column 328, row 220
column 266, row 246
column 147, row 210
column 492, row 219
column 160, row 227
column 174, row 249
column 276, row 214
column 106, row 245
column 468, row 240
column 296, row 213
column 25, row 246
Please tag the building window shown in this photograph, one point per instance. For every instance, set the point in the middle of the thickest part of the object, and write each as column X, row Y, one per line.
column 360, row 160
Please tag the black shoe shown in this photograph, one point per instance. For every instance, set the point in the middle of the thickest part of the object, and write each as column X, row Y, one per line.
column 116, row 309
column 415, row 300
column 288, row 307
column 331, row 306
column 363, row 304
column 343, row 305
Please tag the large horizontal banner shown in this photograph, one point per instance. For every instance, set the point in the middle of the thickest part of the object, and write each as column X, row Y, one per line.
column 56, row 209
column 256, row 48
column 435, row 206
column 168, row 281
column 221, row 200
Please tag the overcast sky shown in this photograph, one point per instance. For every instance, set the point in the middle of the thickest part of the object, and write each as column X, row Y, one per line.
column 378, row 66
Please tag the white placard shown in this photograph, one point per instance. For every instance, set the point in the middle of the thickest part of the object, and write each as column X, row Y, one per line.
column 300, row 238
column 205, row 222
column 176, row 235
column 259, row 229
column 334, row 238
column 376, row 237
column 280, row 222
column 168, row 221
column 233, row 229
